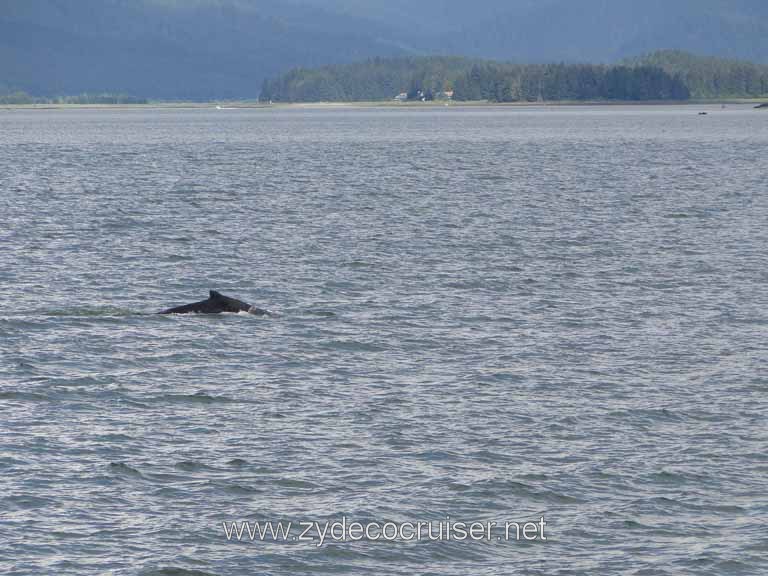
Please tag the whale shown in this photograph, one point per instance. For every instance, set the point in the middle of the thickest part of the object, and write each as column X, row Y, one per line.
column 216, row 304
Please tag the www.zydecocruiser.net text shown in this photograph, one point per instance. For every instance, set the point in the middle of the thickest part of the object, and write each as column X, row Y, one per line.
column 344, row 530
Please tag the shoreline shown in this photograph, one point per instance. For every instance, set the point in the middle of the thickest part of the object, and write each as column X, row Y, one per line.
column 246, row 105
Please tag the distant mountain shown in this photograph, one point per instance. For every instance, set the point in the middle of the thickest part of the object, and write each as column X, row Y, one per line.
column 202, row 49
column 608, row 30
column 573, row 30
column 186, row 49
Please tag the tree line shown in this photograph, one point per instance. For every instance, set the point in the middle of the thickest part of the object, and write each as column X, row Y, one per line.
column 558, row 82
column 664, row 75
column 20, row 97
column 710, row 77
column 373, row 79
column 667, row 75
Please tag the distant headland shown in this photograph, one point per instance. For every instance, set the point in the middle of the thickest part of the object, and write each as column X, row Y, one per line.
column 669, row 75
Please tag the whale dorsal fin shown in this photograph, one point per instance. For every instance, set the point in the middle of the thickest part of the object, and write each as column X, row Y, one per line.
column 214, row 294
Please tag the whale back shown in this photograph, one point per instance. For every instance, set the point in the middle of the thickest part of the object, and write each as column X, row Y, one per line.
column 226, row 304
column 215, row 304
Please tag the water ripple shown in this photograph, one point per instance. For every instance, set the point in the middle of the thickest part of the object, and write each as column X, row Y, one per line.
column 482, row 314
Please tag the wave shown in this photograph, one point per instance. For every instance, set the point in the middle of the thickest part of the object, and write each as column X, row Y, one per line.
column 100, row 311
column 198, row 398
column 174, row 571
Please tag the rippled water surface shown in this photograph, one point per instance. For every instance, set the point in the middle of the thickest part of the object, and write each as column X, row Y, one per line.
column 487, row 314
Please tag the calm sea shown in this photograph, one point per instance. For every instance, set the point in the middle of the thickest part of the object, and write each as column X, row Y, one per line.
column 480, row 315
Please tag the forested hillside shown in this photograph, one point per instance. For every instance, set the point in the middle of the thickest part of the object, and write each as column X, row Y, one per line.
column 708, row 77
column 374, row 79
column 668, row 75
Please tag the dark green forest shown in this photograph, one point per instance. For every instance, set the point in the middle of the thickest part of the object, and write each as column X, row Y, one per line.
column 371, row 80
column 557, row 82
column 667, row 75
column 709, row 77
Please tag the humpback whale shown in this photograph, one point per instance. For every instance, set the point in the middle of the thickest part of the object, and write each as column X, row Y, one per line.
column 216, row 304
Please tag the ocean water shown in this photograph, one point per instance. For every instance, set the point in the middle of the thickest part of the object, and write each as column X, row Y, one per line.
column 487, row 314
